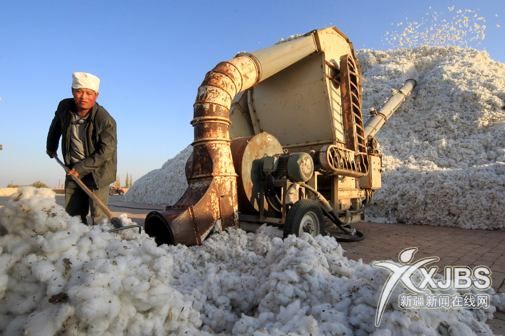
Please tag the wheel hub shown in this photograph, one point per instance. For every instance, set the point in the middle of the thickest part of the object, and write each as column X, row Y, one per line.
column 308, row 223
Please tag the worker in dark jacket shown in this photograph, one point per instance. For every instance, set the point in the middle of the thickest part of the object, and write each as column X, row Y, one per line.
column 88, row 145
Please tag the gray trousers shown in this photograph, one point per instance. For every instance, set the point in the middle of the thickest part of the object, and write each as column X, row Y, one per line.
column 78, row 203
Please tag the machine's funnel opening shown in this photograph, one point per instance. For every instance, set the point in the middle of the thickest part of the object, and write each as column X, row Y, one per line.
column 157, row 226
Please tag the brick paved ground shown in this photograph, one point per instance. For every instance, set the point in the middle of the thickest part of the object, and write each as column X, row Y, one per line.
column 454, row 246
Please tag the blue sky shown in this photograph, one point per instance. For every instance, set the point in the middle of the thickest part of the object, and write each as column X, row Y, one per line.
column 151, row 57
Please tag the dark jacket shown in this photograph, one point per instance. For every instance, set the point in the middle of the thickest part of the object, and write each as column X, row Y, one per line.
column 100, row 144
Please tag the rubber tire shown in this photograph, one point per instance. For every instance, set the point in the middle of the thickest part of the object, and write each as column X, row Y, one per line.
column 298, row 213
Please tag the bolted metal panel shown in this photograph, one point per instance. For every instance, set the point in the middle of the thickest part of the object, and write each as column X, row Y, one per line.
column 293, row 105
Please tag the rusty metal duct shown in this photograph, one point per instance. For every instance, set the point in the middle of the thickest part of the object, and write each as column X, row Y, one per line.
column 210, row 201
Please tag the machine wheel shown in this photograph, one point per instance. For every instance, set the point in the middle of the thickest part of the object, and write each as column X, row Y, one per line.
column 304, row 216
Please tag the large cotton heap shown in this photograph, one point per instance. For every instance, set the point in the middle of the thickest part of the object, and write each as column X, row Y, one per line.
column 58, row 276
column 164, row 185
column 444, row 149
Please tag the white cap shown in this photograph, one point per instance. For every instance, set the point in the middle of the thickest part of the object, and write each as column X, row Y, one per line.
column 84, row 80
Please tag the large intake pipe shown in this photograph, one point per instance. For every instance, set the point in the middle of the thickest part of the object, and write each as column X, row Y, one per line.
column 210, row 201
column 374, row 124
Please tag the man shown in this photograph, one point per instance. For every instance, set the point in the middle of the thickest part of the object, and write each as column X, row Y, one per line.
column 88, row 145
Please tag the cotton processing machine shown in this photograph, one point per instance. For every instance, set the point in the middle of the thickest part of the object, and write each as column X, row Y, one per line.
column 279, row 138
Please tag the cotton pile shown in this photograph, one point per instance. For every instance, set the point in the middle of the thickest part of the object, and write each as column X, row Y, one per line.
column 444, row 149
column 164, row 185
column 58, row 276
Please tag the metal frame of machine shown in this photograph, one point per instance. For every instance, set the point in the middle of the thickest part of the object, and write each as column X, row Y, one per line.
column 298, row 147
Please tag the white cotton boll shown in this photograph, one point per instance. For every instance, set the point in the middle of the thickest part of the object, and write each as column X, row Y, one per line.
column 15, row 326
column 125, row 221
column 104, row 306
column 423, row 327
column 4, row 278
column 382, row 332
column 126, row 313
column 182, row 312
column 19, row 303
column 101, row 278
column 98, row 327
column 4, row 321
column 287, row 313
column 84, row 244
column 265, row 317
column 55, row 284
column 21, row 270
column 460, row 329
column 139, row 326
column 300, row 325
column 148, row 327
column 334, row 328
column 43, row 270
column 6, row 262
column 269, row 231
column 164, row 185
column 27, row 287
column 367, row 295
column 99, row 238
column 149, row 247
column 214, row 318
column 397, row 318
column 131, row 283
column 122, row 266
column 163, row 266
column 245, row 326
column 117, row 248
column 49, row 321
column 361, row 315
column 18, row 247
column 159, row 293
column 498, row 300
column 331, row 320
column 129, row 234
column 58, row 242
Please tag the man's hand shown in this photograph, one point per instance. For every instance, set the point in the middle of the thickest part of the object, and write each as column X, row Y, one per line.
column 73, row 172
column 51, row 154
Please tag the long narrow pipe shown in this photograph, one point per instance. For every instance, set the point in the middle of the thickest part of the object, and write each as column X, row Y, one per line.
column 211, row 197
column 374, row 124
